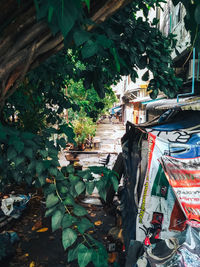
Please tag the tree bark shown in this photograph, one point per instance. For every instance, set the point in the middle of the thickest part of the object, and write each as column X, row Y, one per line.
column 20, row 31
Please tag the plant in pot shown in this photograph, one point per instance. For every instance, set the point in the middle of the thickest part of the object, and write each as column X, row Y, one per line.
column 84, row 129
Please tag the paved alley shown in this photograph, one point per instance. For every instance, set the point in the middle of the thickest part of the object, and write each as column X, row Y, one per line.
column 109, row 134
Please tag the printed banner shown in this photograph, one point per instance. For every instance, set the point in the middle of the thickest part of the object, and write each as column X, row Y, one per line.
column 184, row 177
column 151, row 141
column 157, row 196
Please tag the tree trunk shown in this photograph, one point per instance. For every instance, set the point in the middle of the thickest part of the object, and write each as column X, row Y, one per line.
column 25, row 42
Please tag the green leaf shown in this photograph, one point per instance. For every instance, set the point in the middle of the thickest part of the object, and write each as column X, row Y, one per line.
column 84, row 255
column 68, row 220
column 141, row 61
column 86, row 174
column 89, row 49
column 73, row 253
column 19, row 146
column 2, row 134
column 60, row 177
column 47, row 164
column 104, row 41
column 41, row 10
column 102, row 194
column 116, row 57
column 97, row 169
column 31, row 166
column 11, row 153
column 51, row 200
column 74, row 179
column 29, row 179
column 53, row 171
column 98, row 259
column 79, row 210
column 39, row 167
column 69, row 236
column 44, row 153
column 66, row 22
column 42, row 179
column 49, row 188
column 70, row 169
column 27, row 135
column 155, row 21
column 145, row 76
column 53, row 153
column 62, row 189
column 50, row 13
column 90, row 187
column 154, row 94
column 87, row 3
column 175, row 2
column 68, row 131
column 51, row 210
column 69, row 200
column 62, row 142
column 197, row 14
column 19, row 160
column 56, row 220
column 83, row 225
column 80, row 187
column 73, row 191
column 17, row 176
column 115, row 182
column 28, row 152
column 100, row 185
column 81, row 37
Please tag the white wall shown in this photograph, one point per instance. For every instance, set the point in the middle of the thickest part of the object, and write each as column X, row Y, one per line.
column 128, row 113
column 120, row 88
column 172, row 21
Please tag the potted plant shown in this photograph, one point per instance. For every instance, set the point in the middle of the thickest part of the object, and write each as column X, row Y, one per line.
column 84, row 128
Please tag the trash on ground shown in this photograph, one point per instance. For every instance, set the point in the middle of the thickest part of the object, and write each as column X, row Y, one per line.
column 14, row 205
column 92, row 200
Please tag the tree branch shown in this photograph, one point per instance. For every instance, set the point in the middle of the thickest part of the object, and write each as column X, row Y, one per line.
column 24, row 32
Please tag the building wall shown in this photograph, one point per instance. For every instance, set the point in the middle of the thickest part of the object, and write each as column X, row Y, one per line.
column 120, row 89
column 142, row 115
column 172, row 21
column 128, row 113
column 178, row 28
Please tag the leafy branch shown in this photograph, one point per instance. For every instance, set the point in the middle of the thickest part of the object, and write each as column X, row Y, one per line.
column 74, row 223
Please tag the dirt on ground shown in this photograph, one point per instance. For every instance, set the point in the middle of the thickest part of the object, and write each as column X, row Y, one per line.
column 40, row 247
column 44, row 248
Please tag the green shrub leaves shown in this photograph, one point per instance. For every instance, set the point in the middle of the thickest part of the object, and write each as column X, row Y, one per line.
column 69, row 236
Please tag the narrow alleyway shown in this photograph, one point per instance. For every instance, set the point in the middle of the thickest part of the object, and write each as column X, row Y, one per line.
column 109, row 135
column 44, row 249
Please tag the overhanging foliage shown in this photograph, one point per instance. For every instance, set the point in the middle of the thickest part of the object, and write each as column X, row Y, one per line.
column 26, row 39
column 119, row 46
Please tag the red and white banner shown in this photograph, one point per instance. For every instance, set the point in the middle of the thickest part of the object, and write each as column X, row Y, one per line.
column 184, row 177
